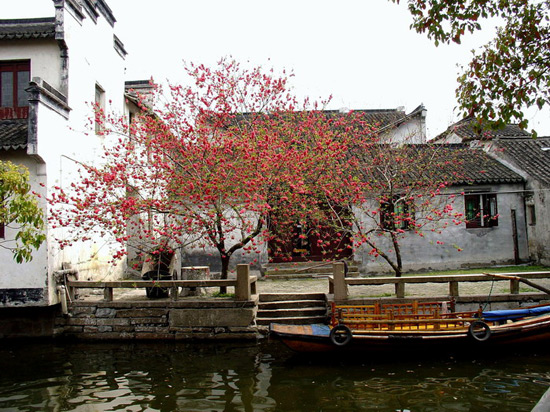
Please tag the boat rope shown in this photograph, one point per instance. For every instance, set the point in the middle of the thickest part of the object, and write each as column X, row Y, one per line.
column 488, row 302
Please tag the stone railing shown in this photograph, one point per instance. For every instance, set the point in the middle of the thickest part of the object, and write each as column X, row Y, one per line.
column 244, row 285
column 338, row 283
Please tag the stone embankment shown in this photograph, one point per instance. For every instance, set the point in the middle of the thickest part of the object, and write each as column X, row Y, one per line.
column 132, row 316
column 137, row 318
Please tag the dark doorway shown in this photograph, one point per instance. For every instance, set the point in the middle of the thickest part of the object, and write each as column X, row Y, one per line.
column 308, row 241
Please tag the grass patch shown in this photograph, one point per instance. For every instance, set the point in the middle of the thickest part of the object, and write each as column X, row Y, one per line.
column 223, row 295
column 381, row 295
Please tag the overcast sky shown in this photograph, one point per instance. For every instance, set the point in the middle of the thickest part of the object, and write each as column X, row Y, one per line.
column 361, row 52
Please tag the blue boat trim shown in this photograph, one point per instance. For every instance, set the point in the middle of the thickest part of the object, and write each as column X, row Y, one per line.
column 510, row 314
column 319, row 329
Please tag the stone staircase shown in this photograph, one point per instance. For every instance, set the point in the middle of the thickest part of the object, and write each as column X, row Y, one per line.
column 305, row 270
column 292, row 308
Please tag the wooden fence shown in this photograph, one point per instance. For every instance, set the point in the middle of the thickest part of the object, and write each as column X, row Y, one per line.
column 244, row 284
column 338, row 283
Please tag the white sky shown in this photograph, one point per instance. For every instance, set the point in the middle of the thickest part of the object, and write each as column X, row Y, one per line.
column 361, row 52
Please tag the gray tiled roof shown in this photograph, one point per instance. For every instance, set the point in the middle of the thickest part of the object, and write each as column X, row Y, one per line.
column 456, row 164
column 13, row 134
column 530, row 155
column 381, row 118
column 469, row 165
column 40, row 28
column 466, row 129
column 478, row 167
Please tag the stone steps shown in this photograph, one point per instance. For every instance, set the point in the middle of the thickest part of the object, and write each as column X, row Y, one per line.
column 291, row 308
column 278, row 297
column 290, row 304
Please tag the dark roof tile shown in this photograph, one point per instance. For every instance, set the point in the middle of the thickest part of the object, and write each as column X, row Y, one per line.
column 40, row 28
column 472, row 165
column 381, row 118
column 468, row 129
column 480, row 168
column 530, row 155
column 13, row 134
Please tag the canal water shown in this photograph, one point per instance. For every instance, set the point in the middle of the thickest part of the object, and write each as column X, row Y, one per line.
column 54, row 376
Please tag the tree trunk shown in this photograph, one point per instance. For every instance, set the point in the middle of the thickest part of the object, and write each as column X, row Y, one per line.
column 225, row 271
column 398, row 267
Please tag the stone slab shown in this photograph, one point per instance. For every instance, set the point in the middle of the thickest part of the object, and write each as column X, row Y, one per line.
column 141, row 313
column 211, row 317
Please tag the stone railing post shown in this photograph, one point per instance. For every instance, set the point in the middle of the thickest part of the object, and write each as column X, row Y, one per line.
column 242, row 290
column 340, row 287
column 514, row 286
column 400, row 289
column 453, row 288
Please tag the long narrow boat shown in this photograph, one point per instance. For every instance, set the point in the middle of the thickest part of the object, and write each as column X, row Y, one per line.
column 416, row 326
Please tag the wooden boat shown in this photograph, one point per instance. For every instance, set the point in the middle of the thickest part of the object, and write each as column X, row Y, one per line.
column 416, row 326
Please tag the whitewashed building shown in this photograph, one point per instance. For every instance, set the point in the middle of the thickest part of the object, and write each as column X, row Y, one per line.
column 53, row 69
column 529, row 157
column 492, row 230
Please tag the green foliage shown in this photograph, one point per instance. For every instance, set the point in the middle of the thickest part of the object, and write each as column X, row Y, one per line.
column 512, row 71
column 490, row 269
column 20, row 212
column 223, row 295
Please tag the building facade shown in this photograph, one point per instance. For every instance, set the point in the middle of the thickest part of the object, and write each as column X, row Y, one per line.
column 530, row 158
column 53, row 71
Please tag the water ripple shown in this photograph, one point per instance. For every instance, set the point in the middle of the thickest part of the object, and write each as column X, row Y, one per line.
column 213, row 377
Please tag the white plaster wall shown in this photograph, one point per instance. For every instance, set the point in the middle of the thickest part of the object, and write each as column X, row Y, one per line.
column 539, row 233
column 544, row 226
column 479, row 246
column 411, row 132
column 60, row 146
column 452, row 138
column 44, row 56
column 30, row 274
column 92, row 59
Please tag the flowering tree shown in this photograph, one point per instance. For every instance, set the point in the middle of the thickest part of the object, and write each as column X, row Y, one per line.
column 232, row 161
column 394, row 191
column 19, row 212
column 204, row 167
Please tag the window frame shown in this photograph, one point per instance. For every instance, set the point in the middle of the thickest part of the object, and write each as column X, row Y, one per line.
column 18, row 107
column 486, row 212
column 99, row 102
column 388, row 210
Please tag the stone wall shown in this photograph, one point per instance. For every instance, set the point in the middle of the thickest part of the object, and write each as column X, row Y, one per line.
column 28, row 322
column 181, row 320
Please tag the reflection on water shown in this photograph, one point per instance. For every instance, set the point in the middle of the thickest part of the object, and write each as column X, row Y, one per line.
column 265, row 377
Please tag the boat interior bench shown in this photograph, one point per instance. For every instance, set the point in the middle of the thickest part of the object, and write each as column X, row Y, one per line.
column 400, row 316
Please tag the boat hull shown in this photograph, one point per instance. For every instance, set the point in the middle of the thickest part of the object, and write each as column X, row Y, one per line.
column 316, row 338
